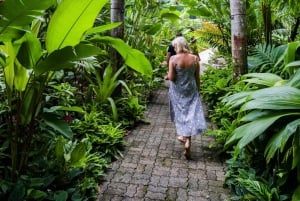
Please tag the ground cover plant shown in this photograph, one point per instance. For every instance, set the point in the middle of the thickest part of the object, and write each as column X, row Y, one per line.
column 60, row 97
column 44, row 154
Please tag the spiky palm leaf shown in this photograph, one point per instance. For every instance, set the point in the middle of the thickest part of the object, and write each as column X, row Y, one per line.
column 266, row 58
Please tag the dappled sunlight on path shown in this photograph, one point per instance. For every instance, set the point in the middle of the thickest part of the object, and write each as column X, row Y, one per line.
column 154, row 167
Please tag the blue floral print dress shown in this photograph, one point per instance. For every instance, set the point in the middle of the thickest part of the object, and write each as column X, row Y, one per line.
column 186, row 109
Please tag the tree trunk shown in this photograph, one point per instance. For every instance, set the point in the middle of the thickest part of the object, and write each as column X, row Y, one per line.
column 266, row 11
column 238, row 37
column 117, row 14
column 294, row 30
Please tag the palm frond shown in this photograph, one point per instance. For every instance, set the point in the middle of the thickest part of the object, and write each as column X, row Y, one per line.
column 266, row 58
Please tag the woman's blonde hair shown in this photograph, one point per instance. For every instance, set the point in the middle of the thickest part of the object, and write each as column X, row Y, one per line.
column 180, row 44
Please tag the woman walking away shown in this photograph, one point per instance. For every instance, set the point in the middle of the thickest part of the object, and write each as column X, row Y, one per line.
column 185, row 105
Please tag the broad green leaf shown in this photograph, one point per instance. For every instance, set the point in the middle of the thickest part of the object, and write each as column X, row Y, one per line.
column 290, row 55
column 296, row 194
column 102, row 28
column 60, row 196
column 9, row 69
column 255, row 114
column 151, row 29
column 19, row 14
column 200, row 12
column 28, row 105
column 114, row 108
column 59, row 148
column 170, row 15
column 296, row 153
column 133, row 57
column 69, row 22
column 42, row 182
column 65, row 108
column 59, row 125
column 21, row 77
column 64, row 58
column 293, row 64
column 10, row 34
column 282, row 91
column 78, row 153
column 17, row 193
column 267, row 79
column 294, row 80
column 248, row 132
column 273, row 103
column 237, row 99
column 34, row 194
column 221, row 83
column 278, row 141
column 30, row 51
column 291, row 52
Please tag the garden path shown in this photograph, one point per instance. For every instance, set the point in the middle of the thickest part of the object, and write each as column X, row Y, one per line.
column 154, row 168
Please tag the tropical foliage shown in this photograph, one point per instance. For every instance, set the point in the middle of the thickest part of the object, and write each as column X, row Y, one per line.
column 43, row 47
column 60, row 96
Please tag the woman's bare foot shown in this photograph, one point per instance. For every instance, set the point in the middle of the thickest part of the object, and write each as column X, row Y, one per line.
column 181, row 139
column 187, row 148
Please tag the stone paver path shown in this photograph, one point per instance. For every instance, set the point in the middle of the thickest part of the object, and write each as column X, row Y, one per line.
column 154, row 167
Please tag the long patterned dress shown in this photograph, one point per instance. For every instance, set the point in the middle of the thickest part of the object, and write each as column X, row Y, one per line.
column 185, row 105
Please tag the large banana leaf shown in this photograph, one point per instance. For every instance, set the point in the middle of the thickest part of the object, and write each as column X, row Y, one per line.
column 64, row 58
column 133, row 57
column 30, row 50
column 21, row 77
column 18, row 15
column 9, row 69
column 69, row 22
column 102, row 28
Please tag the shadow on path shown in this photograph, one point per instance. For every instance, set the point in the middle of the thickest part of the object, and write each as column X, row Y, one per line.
column 154, row 168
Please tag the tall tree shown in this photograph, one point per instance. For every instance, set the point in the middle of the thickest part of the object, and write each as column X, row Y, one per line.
column 117, row 14
column 238, row 37
column 267, row 17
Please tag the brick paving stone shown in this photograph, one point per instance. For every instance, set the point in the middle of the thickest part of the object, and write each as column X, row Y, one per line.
column 164, row 181
column 182, row 194
column 178, row 182
column 171, row 194
column 155, row 196
column 141, row 191
column 154, row 180
column 153, row 167
column 193, row 183
column 131, row 190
